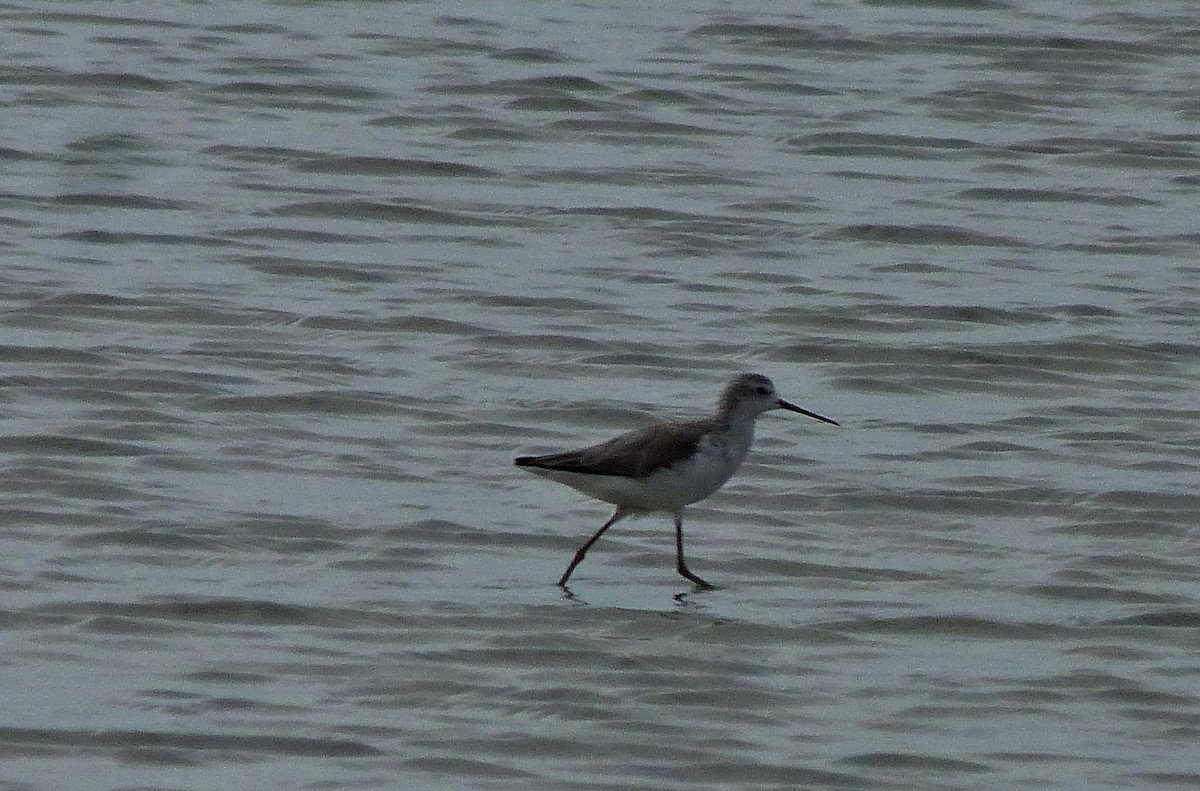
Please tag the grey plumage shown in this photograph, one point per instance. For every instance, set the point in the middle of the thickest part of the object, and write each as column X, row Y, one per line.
column 635, row 454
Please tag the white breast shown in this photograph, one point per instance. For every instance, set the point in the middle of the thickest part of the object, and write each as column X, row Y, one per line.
column 716, row 459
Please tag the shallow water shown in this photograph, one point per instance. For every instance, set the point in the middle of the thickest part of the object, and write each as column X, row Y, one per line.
column 286, row 290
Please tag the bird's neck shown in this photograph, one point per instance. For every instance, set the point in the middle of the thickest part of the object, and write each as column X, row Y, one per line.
column 740, row 428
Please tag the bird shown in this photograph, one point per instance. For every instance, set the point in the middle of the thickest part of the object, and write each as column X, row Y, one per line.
column 666, row 466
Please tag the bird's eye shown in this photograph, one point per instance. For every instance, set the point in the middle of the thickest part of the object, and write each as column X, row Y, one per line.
column 763, row 390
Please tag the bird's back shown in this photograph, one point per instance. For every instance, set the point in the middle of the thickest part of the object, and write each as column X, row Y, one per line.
column 635, row 454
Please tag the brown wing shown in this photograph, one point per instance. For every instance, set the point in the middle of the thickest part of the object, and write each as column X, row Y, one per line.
column 632, row 455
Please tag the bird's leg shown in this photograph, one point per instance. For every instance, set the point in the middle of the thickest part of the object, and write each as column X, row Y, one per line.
column 579, row 553
column 680, row 566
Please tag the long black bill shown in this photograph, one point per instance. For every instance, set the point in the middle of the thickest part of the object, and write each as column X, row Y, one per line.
column 793, row 408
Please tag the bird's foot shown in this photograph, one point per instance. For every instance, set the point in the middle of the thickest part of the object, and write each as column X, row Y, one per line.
column 700, row 584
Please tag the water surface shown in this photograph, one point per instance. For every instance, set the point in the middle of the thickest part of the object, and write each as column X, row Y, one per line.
column 288, row 286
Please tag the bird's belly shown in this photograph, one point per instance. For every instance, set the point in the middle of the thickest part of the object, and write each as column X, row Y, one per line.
column 616, row 489
column 694, row 479
column 665, row 489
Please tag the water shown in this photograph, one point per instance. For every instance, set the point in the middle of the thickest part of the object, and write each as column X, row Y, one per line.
column 286, row 286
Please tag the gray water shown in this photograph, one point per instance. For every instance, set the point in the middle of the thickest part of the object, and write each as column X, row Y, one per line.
column 287, row 285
